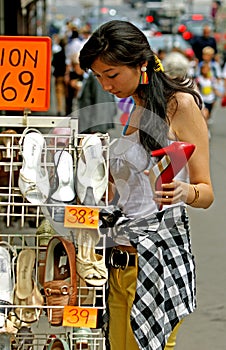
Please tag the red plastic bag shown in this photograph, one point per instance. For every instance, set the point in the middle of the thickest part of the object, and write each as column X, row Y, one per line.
column 223, row 101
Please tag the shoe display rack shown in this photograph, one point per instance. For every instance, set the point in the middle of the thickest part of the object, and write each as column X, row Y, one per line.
column 20, row 225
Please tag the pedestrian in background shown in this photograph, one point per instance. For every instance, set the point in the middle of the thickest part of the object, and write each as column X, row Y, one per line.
column 206, row 39
column 176, row 65
column 74, row 75
column 152, row 271
column 96, row 107
column 214, row 11
column 207, row 85
column 59, row 69
column 208, row 56
column 72, row 78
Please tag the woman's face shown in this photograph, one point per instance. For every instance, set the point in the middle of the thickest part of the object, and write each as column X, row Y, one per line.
column 122, row 81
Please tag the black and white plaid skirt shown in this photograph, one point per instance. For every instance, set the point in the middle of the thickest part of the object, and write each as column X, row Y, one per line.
column 166, row 289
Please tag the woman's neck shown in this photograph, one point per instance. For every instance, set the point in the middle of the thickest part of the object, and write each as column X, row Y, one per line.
column 134, row 121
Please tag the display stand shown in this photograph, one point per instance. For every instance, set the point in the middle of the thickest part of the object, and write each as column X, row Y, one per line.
column 25, row 86
column 21, row 219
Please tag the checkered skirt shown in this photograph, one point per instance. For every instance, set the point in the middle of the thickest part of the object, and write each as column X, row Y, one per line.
column 166, row 290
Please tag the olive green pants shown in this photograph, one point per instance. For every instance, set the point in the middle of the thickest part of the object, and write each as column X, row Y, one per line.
column 122, row 288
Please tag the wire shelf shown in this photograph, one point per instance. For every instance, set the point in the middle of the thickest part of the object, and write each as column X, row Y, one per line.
column 20, row 220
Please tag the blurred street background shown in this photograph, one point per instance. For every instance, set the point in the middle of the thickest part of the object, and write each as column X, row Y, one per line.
column 169, row 25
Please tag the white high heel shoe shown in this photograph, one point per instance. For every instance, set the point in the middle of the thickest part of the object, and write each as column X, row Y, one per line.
column 65, row 177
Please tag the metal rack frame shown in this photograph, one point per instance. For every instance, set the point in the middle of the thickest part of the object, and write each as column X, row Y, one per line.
column 20, row 219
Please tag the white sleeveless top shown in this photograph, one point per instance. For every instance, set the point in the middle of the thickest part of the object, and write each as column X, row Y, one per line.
column 128, row 160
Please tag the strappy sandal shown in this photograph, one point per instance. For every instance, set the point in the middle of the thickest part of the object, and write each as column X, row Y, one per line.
column 26, row 292
column 89, row 265
column 33, row 177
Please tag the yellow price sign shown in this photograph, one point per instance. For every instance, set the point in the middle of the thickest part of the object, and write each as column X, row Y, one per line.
column 81, row 217
column 75, row 316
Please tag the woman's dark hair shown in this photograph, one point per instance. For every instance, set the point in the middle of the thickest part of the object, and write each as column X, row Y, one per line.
column 121, row 43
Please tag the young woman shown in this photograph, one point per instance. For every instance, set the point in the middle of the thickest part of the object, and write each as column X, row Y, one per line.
column 152, row 273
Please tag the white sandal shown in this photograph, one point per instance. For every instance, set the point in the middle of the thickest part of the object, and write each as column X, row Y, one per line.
column 92, row 175
column 33, row 177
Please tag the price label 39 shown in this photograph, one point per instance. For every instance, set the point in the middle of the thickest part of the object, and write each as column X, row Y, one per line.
column 75, row 316
column 81, row 217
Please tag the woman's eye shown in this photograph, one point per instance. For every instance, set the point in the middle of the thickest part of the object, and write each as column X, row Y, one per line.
column 113, row 76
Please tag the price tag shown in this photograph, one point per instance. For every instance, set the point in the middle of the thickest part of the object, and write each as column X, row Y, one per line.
column 75, row 316
column 25, row 73
column 81, row 217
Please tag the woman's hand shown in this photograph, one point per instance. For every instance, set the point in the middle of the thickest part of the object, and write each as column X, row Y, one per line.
column 171, row 193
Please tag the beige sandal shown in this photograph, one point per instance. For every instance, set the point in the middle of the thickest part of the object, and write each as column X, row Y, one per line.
column 89, row 265
column 26, row 292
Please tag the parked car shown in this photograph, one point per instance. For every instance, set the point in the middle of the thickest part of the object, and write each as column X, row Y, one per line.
column 162, row 13
column 189, row 26
column 169, row 41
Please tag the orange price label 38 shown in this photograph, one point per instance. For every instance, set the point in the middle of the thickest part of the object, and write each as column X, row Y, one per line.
column 81, row 217
column 75, row 316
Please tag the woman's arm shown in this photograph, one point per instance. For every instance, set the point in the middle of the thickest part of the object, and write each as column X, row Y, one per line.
column 189, row 125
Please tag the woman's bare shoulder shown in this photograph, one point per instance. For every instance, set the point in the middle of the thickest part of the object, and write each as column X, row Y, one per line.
column 184, row 100
column 181, row 104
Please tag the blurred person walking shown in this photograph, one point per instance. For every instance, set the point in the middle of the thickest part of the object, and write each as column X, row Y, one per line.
column 72, row 78
column 97, row 108
column 208, row 56
column 176, row 65
column 73, row 75
column 214, row 11
column 207, row 85
column 206, row 39
column 59, row 69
